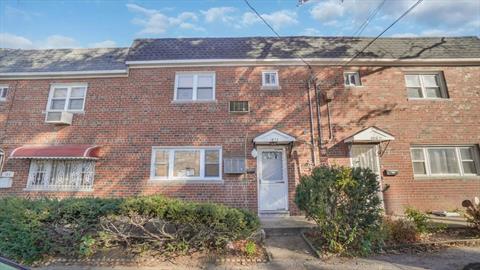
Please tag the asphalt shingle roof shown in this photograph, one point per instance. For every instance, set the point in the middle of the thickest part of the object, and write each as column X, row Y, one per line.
column 302, row 46
column 62, row 60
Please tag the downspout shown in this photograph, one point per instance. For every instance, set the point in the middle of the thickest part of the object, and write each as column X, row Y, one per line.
column 318, row 96
column 312, row 133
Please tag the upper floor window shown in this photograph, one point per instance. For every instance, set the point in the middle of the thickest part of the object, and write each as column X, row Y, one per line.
column 429, row 85
column 186, row 163
column 67, row 97
column 445, row 160
column 194, row 86
column 3, row 92
column 270, row 79
column 351, row 79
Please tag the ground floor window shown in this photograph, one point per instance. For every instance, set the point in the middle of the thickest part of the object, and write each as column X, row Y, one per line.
column 445, row 160
column 48, row 174
column 186, row 163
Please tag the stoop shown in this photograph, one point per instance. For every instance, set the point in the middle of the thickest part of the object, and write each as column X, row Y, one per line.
column 278, row 225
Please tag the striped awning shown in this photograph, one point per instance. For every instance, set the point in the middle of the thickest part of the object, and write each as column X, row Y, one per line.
column 68, row 151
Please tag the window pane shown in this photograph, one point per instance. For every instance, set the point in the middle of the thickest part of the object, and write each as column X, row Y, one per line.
column 417, row 154
column 414, row 92
column 212, row 156
column 58, row 104
column 466, row 153
column 353, row 79
column 430, row 80
column 205, row 81
column 161, row 156
column 469, row 167
column 212, row 170
column 161, row 170
column 419, row 168
column 205, row 93
column 75, row 104
column 78, row 92
column 443, row 161
column 3, row 92
column 60, row 92
column 432, row 92
column 412, row 80
column 272, row 166
column 185, row 81
column 270, row 78
column 186, row 163
column 185, row 93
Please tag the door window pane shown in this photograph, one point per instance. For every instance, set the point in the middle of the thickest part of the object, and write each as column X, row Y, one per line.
column 272, row 166
column 186, row 163
column 443, row 161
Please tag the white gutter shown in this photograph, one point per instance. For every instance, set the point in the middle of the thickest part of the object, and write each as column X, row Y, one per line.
column 298, row 61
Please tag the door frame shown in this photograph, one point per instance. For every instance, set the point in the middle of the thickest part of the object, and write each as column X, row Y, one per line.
column 260, row 149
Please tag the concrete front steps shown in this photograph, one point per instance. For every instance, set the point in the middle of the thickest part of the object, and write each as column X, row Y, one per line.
column 281, row 224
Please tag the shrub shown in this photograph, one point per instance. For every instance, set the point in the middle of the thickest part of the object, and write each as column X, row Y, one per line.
column 76, row 227
column 400, row 231
column 345, row 205
column 472, row 212
column 250, row 248
column 419, row 219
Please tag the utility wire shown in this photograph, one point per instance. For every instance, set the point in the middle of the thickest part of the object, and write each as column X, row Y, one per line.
column 271, row 28
column 383, row 32
column 369, row 19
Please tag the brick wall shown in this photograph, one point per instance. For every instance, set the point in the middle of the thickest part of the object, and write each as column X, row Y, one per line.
column 129, row 115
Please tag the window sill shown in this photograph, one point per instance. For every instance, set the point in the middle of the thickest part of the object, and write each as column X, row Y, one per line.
column 354, row 86
column 271, row 88
column 184, row 181
column 429, row 99
column 448, row 177
column 73, row 112
column 235, row 112
column 193, row 101
column 30, row 189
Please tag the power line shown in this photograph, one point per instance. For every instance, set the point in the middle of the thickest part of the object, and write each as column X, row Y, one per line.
column 369, row 19
column 383, row 32
column 271, row 28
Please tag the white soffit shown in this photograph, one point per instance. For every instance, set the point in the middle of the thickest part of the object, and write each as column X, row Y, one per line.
column 274, row 137
column 370, row 135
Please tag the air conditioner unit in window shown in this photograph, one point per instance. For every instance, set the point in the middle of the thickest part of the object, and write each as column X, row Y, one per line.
column 234, row 165
column 60, row 118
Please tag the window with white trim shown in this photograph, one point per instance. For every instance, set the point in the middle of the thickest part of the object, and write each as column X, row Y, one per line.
column 270, row 78
column 428, row 85
column 3, row 92
column 186, row 163
column 2, row 159
column 67, row 97
column 445, row 160
column 352, row 79
column 59, row 175
column 194, row 86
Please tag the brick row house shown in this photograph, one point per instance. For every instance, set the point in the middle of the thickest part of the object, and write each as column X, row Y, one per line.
column 239, row 120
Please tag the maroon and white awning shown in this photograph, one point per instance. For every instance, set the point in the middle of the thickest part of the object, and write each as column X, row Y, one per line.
column 69, row 151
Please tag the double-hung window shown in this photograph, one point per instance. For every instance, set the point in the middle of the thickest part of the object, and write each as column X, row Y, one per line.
column 194, row 86
column 427, row 86
column 61, row 175
column 3, row 92
column 351, row 79
column 445, row 160
column 67, row 97
column 186, row 163
column 270, row 79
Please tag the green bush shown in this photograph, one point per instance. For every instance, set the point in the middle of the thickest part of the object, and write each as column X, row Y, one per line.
column 345, row 205
column 421, row 220
column 76, row 227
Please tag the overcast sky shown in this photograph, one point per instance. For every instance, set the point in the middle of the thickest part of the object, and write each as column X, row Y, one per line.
column 68, row 24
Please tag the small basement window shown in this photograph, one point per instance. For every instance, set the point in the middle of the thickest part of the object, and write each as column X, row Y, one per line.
column 352, row 79
column 3, row 92
column 238, row 107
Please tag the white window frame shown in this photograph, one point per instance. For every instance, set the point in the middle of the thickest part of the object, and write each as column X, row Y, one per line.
column 3, row 88
column 69, row 86
column 195, row 75
column 356, row 74
column 441, row 81
column 48, row 171
column 171, row 163
column 457, row 156
column 276, row 85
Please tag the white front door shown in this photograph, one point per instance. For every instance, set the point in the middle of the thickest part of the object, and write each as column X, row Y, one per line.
column 366, row 156
column 272, row 179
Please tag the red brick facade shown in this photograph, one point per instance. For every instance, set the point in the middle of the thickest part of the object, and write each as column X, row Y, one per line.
column 128, row 115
